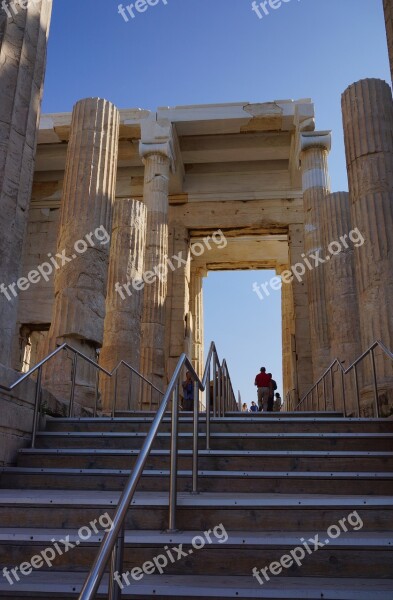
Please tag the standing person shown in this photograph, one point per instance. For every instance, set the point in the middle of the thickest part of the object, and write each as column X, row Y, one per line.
column 244, row 407
column 253, row 407
column 272, row 389
column 277, row 403
column 188, row 390
column 262, row 381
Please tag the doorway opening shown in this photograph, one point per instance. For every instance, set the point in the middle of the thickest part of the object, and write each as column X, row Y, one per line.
column 246, row 329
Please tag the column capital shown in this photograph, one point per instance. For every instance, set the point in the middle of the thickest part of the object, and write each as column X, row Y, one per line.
column 315, row 139
column 157, row 137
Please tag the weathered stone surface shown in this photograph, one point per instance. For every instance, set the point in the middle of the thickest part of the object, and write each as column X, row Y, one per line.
column 388, row 8
column 179, row 319
column 288, row 342
column 122, row 330
column 316, row 185
column 341, row 292
column 300, row 325
column 23, row 42
column 156, row 151
column 86, row 216
column 196, row 307
column 368, row 129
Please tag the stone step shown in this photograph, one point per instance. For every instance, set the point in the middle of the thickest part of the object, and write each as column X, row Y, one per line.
column 271, row 512
column 243, row 415
column 211, row 552
column 214, row 460
column 209, row 481
column 374, row 442
column 65, row 585
column 233, row 424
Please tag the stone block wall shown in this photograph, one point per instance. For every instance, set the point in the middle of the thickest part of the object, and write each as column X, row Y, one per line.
column 35, row 304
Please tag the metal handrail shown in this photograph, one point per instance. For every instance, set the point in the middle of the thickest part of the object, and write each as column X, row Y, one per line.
column 38, row 367
column 112, row 546
column 353, row 366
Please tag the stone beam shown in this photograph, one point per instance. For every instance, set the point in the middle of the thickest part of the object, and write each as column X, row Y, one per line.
column 248, row 215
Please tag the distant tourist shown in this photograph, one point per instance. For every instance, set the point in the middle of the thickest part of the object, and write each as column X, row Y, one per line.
column 253, row 407
column 277, row 403
column 273, row 387
column 262, row 381
column 188, row 392
column 244, row 407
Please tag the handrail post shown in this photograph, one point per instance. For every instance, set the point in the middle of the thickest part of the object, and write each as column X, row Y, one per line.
column 114, row 591
column 97, row 394
column 73, row 379
column 36, row 406
column 219, row 386
column 173, row 471
column 214, row 387
column 332, row 387
column 375, row 383
column 355, row 371
column 208, row 410
column 343, row 392
column 195, row 440
column 129, row 399
column 115, row 396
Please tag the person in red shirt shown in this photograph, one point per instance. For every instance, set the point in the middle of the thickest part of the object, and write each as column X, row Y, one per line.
column 262, row 381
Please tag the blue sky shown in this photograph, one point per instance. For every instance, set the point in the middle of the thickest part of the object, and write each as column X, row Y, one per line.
column 208, row 51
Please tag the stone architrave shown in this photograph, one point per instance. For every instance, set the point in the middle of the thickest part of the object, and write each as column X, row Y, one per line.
column 341, row 292
column 314, row 151
column 156, row 150
column 84, row 237
column 124, row 301
column 23, row 46
column 368, row 131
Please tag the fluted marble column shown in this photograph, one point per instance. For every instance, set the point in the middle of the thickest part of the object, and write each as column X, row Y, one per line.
column 196, row 306
column 23, row 43
column 388, row 8
column 341, row 292
column 301, row 339
column 157, row 154
column 122, row 328
column 288, row 338
column 315, row 147
column 86, row 214
column 368, row 130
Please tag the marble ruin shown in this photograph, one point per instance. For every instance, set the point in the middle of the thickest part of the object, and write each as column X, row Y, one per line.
column 161, row 181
